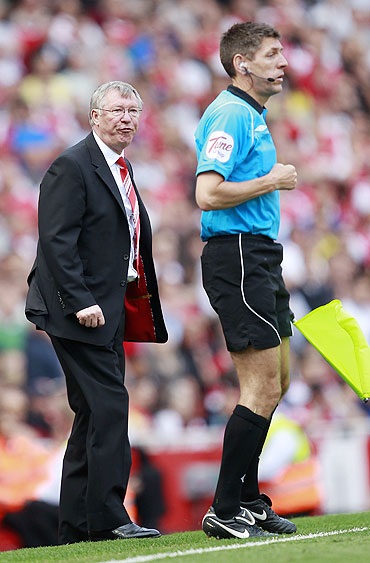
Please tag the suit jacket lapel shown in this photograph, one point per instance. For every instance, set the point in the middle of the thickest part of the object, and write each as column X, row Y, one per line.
column 102, row 170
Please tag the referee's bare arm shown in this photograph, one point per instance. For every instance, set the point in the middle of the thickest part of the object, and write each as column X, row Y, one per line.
column 212, row 192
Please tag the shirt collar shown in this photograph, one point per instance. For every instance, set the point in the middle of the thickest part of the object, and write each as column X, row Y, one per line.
column 251, row 101
column 110, row 156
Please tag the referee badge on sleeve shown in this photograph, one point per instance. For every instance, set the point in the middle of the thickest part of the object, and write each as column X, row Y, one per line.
column 220, row 146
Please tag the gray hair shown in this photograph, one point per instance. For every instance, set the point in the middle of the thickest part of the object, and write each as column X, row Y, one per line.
column 125, row 89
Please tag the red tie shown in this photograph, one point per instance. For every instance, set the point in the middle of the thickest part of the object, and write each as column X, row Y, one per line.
column 130, row 191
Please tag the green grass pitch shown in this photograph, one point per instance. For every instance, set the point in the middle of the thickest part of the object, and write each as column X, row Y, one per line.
column 340, row 538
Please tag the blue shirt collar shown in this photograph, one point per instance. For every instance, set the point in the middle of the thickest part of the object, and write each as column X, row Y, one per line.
column 251, row 101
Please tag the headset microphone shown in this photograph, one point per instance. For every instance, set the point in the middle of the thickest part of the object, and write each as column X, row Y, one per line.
column 247, row 71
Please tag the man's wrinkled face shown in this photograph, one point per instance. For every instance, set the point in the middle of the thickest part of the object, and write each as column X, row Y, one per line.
column 118, row 120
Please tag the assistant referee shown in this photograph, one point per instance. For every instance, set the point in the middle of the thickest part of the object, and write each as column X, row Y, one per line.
column 238, row 183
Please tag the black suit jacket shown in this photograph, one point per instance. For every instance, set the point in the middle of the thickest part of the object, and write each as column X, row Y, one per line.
column 83, row 252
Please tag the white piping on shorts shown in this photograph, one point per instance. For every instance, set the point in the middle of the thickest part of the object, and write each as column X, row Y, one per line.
column 242, row 290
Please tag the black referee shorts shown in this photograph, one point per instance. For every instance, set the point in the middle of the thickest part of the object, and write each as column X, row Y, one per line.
column 243, row 280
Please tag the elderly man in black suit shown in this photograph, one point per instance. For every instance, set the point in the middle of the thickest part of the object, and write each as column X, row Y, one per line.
column 92, row 286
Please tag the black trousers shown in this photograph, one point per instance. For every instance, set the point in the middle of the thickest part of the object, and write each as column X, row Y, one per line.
column 97, row 461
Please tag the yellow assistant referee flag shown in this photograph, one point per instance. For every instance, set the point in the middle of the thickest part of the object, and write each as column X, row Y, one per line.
column 340, row 340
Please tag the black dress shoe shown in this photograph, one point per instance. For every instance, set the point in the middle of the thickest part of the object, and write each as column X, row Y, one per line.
column 125, row 532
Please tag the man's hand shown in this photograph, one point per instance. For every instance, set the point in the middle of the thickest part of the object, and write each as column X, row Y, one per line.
column 91, row 317
column 283, row 176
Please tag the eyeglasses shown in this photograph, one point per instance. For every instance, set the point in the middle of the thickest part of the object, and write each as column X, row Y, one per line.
column 119, row 112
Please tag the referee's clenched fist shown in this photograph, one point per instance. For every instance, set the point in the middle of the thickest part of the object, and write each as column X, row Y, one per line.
column 283, row 176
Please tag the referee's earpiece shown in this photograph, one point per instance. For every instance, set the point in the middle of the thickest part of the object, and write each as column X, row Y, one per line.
column 244, row 67
column 247, row 71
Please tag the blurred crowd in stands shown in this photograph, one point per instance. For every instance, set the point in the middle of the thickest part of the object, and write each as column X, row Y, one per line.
column 53, row 53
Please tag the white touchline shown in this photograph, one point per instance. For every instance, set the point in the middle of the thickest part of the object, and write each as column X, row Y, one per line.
column 172, row 554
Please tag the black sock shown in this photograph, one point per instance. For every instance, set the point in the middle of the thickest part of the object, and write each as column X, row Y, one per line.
column 243, row 434
column 250, row 489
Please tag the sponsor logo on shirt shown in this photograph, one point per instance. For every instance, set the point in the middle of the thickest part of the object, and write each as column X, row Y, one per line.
column 220, row 146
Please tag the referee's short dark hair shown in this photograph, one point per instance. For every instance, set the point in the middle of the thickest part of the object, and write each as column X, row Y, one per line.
column 244, row 38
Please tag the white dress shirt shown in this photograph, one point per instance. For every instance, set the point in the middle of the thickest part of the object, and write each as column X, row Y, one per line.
column 111, row 157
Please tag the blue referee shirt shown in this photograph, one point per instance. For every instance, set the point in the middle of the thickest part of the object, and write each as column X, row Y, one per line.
column 232, row 139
